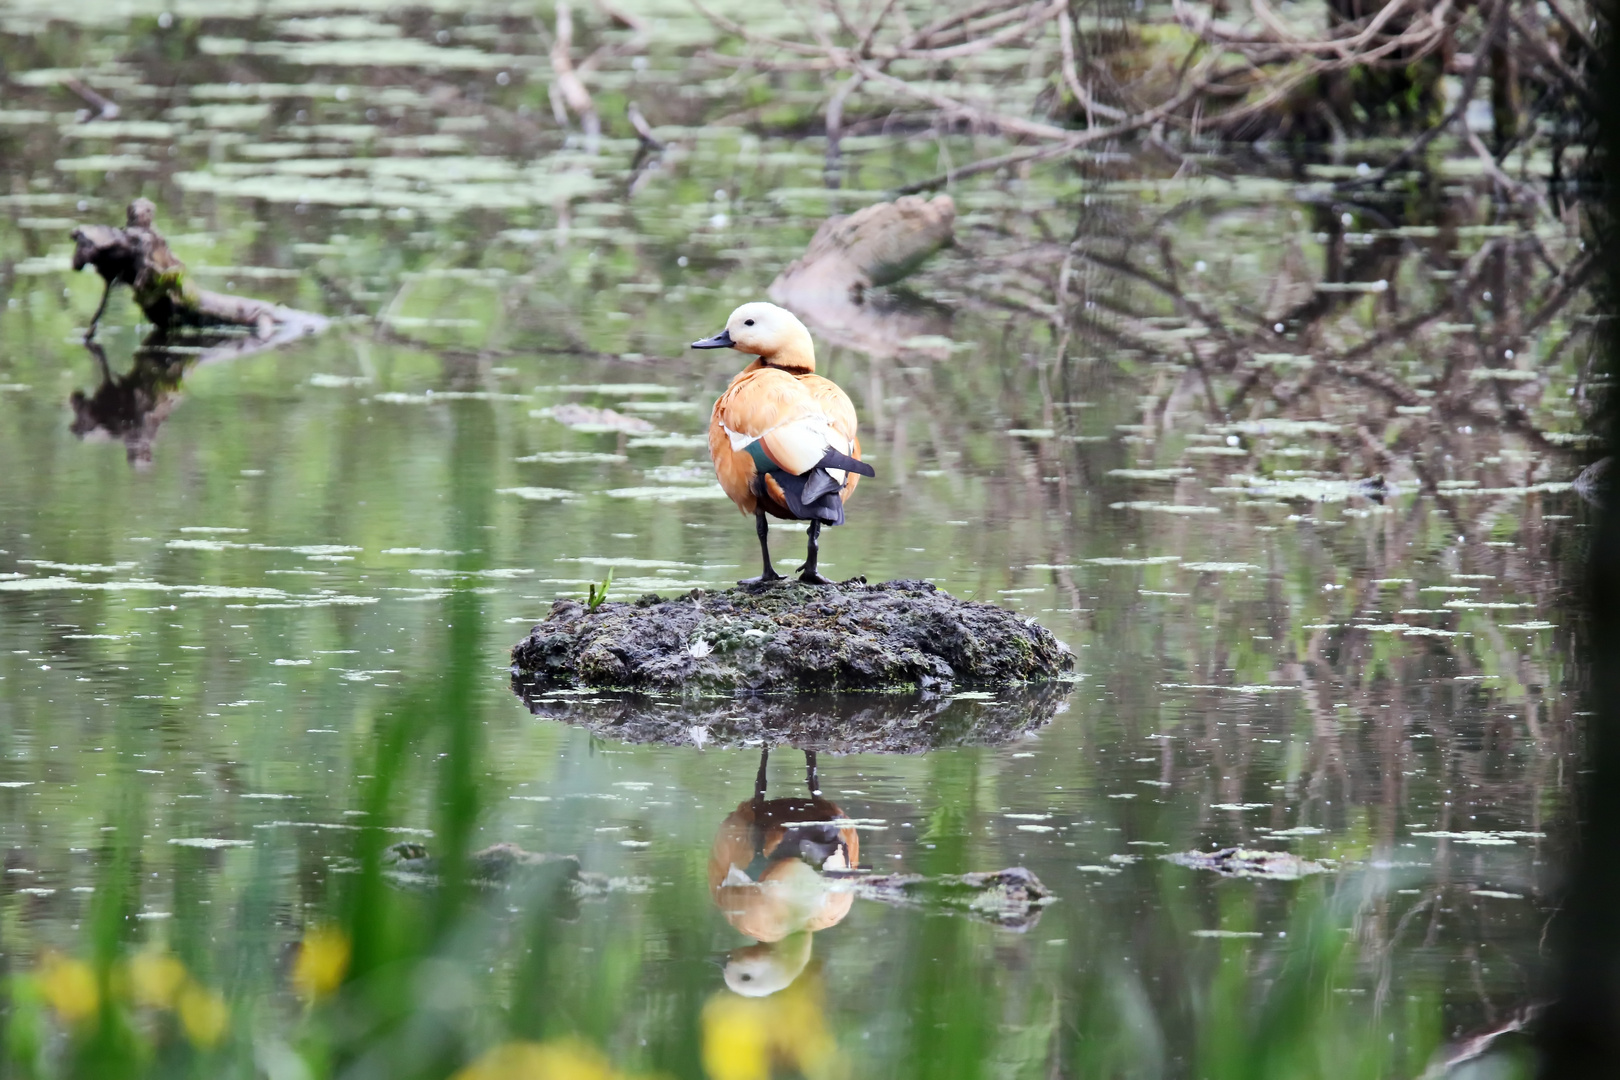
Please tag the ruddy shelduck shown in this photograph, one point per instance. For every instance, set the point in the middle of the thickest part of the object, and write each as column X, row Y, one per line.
column 781, row 436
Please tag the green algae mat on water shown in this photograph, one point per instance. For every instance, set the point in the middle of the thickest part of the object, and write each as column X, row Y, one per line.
column 851, row 636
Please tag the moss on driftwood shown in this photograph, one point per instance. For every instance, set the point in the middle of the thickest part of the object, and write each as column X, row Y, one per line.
column 817, row 639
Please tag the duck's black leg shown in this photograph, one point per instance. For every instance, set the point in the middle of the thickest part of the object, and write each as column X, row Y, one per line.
column 807, row 573
column 757, row 864
column 759, row 779
column 769, row 574
column 812, row 778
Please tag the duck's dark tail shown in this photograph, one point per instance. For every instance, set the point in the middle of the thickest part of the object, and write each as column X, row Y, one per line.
column 820, row 502
column 815, row 495
column 832, row 459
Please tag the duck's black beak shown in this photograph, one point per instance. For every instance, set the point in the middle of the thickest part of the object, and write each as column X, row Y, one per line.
column 722, row 340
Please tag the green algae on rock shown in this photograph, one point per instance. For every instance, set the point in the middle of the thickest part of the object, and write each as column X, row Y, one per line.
column 826, row 639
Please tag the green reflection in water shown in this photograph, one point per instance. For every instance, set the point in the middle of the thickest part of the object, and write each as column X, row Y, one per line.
column 1186, row 502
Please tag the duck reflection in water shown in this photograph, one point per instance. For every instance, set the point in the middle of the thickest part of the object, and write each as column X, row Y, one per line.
column 766, row 875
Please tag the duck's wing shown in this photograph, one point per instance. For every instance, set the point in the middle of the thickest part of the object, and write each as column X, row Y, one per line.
column 777, row 433
column 772, row 417
column 837, row 407
column 735, row 471
column 832, row 400
column 758, row 400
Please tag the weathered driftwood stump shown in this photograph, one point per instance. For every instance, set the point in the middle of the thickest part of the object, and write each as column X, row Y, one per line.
column 790, row 637
column 137, row 255
column 830, row 286
column 877, row 245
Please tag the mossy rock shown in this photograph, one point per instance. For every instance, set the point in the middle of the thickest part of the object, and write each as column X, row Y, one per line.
column 790, row 637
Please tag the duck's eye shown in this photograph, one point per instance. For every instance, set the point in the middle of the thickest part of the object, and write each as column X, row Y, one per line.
column 748, row 322
column 747, row 978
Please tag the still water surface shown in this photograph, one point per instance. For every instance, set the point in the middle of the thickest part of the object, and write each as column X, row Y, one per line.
column 255, row 612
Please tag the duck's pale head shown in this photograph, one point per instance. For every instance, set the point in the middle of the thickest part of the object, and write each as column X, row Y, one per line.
column 773, row 334
column 761, row 970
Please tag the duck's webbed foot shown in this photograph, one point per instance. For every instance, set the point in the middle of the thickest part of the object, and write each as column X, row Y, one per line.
column 768, row 576
column 810, row 577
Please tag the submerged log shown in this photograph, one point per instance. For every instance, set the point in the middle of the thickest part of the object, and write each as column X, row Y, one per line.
column 498, row 864
column 1250, row 863
column 556, row 880
column 877, row 245
column 789, row 637
column 1011, row 899
column 137, row 255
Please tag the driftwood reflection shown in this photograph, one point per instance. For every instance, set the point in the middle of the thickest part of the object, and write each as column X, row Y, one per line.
column 128, row 408
column 132, row 406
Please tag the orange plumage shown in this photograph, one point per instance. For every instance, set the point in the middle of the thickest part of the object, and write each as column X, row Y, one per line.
column 759, row 398
column 783, row 438
column 771, row 903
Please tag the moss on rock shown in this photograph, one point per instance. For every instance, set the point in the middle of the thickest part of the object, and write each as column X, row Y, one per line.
column 787, row 636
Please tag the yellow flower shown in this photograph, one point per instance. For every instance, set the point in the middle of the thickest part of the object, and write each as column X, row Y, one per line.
column 323, row 960
column 70, row 987
column 559, row 1059
column 155, row 978
column 736, row 1043
column 742, row 1037
column 203, row 1014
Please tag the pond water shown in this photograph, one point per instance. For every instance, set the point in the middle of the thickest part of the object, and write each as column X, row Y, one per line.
column 1286, row 463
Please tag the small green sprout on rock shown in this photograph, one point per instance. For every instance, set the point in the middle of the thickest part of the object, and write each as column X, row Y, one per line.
column 599, row 595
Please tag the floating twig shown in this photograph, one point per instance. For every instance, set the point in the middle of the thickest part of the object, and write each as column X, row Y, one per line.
column 105, row 108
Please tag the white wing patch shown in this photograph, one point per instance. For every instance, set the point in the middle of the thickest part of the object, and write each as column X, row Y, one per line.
column 803, row 440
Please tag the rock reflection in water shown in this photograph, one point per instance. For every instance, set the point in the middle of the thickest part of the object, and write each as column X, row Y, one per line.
column 844, row 724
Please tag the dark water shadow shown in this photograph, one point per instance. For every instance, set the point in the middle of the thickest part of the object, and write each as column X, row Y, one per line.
column 900, row 723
